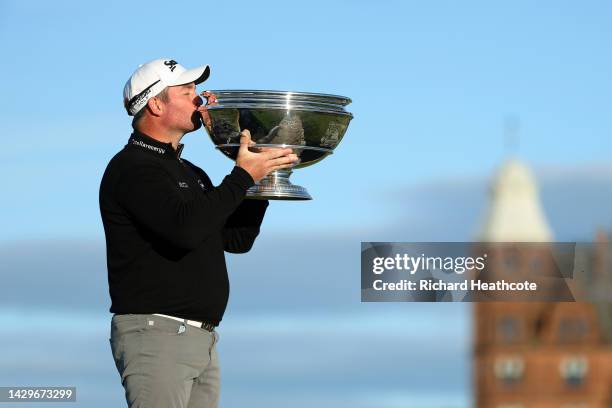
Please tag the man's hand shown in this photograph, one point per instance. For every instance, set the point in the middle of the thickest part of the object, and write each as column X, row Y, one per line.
column 259, row 165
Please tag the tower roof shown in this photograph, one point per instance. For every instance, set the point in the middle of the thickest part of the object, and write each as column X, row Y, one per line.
column 514, row 213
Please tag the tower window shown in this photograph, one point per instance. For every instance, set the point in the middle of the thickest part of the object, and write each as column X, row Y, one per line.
column 509, row 369
column 510, row 263
column 571, row 330
column 574, row 370
column 508, row 329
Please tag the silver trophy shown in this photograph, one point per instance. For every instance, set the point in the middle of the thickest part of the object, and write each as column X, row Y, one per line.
column 311, row 124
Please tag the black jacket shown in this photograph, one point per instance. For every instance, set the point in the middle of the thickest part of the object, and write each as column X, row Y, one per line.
column 167, row 228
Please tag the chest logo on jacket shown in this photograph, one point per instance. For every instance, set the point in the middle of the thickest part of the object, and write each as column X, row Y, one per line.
column 182, row 184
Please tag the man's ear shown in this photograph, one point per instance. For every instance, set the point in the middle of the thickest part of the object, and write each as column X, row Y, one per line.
column 155, row 106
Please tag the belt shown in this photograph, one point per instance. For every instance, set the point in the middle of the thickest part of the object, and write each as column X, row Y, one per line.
column 208, row 326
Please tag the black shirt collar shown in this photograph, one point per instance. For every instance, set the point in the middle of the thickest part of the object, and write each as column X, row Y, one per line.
column 141, row 141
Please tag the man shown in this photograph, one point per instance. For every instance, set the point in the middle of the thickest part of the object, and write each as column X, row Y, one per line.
column 167, row 228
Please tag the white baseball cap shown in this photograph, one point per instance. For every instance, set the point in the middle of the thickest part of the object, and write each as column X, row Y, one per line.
column 151, row 78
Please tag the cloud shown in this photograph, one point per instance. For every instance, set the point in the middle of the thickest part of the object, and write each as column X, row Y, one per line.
column 316, row 271
column 575, row 201
column 404, row 358
column 283, row 274
column 294, row 323
column 65, row 274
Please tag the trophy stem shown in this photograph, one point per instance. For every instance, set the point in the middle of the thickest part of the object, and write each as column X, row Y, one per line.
column 276, row 186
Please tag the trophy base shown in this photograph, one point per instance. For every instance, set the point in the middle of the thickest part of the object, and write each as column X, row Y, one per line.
column 276, row 186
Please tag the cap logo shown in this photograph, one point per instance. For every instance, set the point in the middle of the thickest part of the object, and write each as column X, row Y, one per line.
column 140, row 99
column 171, row 64
column 141, row 96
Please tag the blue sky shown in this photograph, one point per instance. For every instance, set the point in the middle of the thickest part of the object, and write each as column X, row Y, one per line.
column 431, row 84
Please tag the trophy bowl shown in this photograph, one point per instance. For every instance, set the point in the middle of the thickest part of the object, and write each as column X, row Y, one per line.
column 311, row 124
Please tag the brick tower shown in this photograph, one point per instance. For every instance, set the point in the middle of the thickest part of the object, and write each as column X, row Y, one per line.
column 538, row 354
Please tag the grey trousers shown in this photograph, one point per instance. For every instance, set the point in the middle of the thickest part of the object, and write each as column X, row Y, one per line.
column 164, row 363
